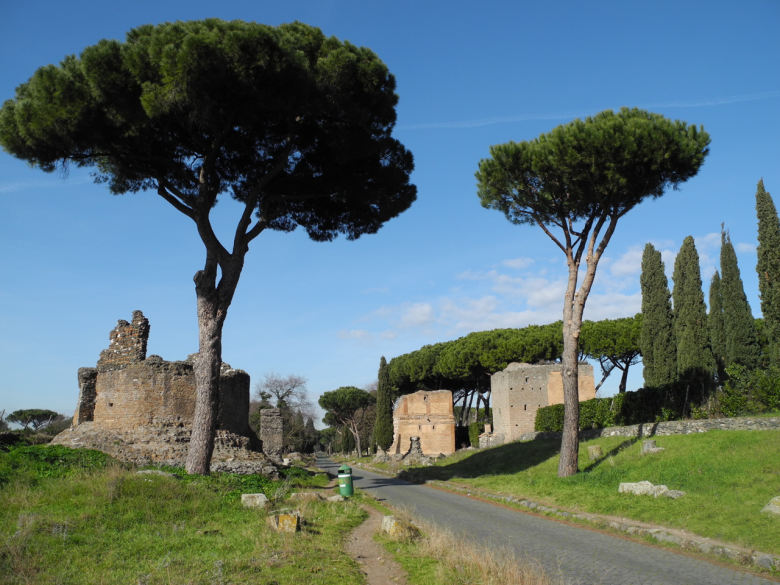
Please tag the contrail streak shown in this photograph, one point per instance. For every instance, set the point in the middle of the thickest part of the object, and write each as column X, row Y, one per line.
column 570, row 115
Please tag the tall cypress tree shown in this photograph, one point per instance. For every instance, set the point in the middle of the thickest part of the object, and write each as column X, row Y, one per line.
column 657, row 341
column 715, row 322
column 741, row 339
column 383, row 429
column 694, row 355
column 768, row 268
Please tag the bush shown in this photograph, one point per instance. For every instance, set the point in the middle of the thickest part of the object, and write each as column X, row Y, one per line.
column 44, row 461
column 750, row 392
column 475, row 430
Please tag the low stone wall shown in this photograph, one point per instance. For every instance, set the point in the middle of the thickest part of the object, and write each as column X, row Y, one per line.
column 678, row 427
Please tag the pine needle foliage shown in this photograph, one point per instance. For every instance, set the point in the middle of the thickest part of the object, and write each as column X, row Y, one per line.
column 383, row 429
column 768, row 267
column 657, row 340
column 715, row 322
column 740, row 331
column 694, row 353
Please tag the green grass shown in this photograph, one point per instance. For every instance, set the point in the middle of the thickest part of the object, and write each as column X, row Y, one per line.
column 102, row 523
column 728, row 477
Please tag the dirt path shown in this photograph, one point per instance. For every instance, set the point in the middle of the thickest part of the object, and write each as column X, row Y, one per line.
column 378, row 566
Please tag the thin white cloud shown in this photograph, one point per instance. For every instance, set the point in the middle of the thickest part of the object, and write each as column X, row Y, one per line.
column 745, row 247
column 417, row 315
column 360, row 334
column 629, row 264
column 571, row 115
column 518, row 263
column 23, row 186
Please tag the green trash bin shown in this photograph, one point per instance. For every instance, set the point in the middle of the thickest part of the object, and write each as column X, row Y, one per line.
column 345, row 481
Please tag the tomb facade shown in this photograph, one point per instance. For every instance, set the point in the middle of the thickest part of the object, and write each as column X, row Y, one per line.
column 427, row 414
column 521, row 389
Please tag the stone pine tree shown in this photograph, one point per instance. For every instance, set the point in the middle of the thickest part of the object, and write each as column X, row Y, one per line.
column 741, row 339
column 657, row 339
column 768, row 268
column 717, row 327
column 694, row 354
column 575, row 183
column 295, row 126
column 383, row 429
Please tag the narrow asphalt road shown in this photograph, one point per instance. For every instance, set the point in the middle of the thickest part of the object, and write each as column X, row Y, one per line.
column 582, row 556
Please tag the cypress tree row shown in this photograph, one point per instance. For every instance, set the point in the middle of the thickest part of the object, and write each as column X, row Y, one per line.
column 741, row 339
column 715, row 322
column 694, row 355
column 657, row 340
column 383, row 429
column 768, row 268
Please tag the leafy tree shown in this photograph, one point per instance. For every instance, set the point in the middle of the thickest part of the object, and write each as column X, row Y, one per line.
column 293, row 125
column 657, row 339
column 311, row 436
column 768, row 267
column 740, row 331
column 35, row 417
column 614, row 343
column 383, row 428
column 3, row 422
column 716, row 325
column 579, row 180
column 347, row 405
column 694, row 355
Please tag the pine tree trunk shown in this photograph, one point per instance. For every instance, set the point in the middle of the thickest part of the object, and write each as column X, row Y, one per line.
column 624, row 379
column 207, row 366
column 570, row 441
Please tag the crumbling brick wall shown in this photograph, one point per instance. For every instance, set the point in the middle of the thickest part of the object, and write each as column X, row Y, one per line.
column 85, row 409
column 427, row 414
column 126, row 345
column 521, row 389
column 271, row 432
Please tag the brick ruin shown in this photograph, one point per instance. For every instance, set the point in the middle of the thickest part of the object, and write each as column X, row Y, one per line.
column 271, row 432
column 427, row 414
column 521, row 389
column 140, row 409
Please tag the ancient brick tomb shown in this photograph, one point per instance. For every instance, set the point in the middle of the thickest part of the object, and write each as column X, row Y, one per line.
column 140, row 409
column 427, row 414
column 521, row 389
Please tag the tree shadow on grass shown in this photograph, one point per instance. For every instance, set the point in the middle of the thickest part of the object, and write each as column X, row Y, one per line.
column 504, row 460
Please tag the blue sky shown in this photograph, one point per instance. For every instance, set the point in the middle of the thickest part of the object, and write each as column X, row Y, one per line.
column 75, row 259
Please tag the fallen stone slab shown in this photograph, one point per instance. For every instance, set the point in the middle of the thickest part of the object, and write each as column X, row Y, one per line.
column 289, row 522
column 645, row 488
column 254, row 500
column 773, row 507
column 156, row 472
column 300, row 496
column 399, row 529
column 336, row 498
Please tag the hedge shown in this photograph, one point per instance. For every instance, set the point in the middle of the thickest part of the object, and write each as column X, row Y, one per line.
column 475, row 430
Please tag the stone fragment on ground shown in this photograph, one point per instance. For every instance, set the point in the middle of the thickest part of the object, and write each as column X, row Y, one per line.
column 649, row 447
column 645, row 488
column 376, row 563
column 773, row 507
column 336, row 498
column 254, row 500
column 156, row 472
column 399, row 529
column 286, row 521
column 300, row 496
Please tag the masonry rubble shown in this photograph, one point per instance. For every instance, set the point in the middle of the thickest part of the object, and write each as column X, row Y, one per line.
column 140, row 409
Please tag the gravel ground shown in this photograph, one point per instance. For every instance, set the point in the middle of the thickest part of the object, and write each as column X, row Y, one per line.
column 580, row 555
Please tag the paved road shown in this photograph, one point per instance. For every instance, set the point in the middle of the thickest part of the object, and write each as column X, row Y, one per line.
column 583, row 556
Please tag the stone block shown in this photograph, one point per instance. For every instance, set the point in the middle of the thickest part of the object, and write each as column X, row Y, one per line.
column 645, row 488
column 254, row 500
column 285, row 522
column 398, row 529
column 594, row 452
column 157, row 472
column 336, row 498
column 773, row 507
column 648, row 447
column 301, row 496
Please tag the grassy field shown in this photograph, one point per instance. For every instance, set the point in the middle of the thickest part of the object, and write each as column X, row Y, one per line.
column 728, row 477
column 78, row 517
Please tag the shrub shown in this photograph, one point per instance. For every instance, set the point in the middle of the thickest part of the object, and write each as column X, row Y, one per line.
column 749, row 392
column 475, row 430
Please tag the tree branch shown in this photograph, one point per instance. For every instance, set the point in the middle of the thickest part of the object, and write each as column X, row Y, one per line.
column 163, row 192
